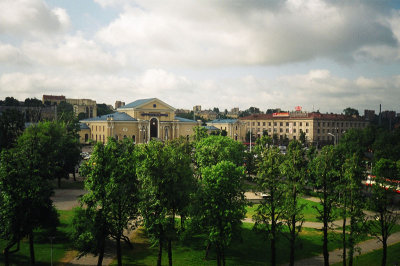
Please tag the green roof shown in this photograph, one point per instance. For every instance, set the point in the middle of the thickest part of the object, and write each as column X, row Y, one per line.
column 222, row 121
column 117, row 116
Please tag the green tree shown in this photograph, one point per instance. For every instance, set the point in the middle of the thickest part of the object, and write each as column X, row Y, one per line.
column 11, row 126
column 294, row 169
column 380, row 202
column 112, row 198
column 353, row 204
column 199, row 133
column 25, row 191
column 166, row 179
column 222, row 204
column 326, row 168
column 11, row 101
column 64, row 108
column 214, row 149
column 33, row 102
column 269, row 179
column 102, row 109
column 350, row 111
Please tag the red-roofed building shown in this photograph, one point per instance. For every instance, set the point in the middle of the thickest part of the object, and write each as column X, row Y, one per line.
column 319, row 129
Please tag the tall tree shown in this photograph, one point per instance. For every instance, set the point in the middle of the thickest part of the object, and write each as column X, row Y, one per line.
column 294, row 169
column 326, row 169
column 11, row 126
column 25, row 191
column 222, row 204
column 380, row 201
column 350, row 111
column 269, row 179
column 112, row 192
column 166, row 177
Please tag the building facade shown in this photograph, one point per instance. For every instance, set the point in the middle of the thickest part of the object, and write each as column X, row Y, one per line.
column 86, row 106
column 235, row 129
column 141, row 121
column 319, row 129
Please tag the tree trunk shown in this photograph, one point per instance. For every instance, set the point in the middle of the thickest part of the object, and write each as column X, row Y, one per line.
column 31, row 250
column 223, row 255
column 159, row 252
column 351, row 242
column 73, row 174
column 6, row 256
column 119, row 257
column 218, row 255
column 325, row 229
column 292, row 240
column 169, row 252
column 273, row 231
column 384, row 251
column 207, row 251
column 344, row 239
column 101, row 252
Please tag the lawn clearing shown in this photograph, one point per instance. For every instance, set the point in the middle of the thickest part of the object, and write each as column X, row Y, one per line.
column 251, row 249
column 42, row 246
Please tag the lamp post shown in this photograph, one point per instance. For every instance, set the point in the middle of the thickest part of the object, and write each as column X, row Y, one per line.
column 334, row 138
column 51, row 249
column 250, row 138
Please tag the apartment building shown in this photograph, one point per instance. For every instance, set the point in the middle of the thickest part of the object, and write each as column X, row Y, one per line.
column 319, row 129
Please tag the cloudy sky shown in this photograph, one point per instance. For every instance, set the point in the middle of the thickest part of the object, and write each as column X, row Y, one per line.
column 320, row 54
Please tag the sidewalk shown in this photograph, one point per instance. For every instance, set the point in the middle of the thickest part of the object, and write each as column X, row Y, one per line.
column 335, row 256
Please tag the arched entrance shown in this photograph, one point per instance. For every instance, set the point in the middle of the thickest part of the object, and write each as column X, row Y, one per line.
column 153, row 128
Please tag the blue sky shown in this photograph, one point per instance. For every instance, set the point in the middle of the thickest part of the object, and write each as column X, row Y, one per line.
column 320, row 54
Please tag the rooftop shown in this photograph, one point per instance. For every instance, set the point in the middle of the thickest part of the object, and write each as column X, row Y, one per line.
column 117, row 116
column 223, row 121
column 137, row 103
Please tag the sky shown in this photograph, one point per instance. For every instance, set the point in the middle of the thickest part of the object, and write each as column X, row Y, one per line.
column 323, row 55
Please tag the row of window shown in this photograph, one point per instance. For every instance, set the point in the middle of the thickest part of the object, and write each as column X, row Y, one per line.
column 341, row 124
column 276, row 124
column 281, row 130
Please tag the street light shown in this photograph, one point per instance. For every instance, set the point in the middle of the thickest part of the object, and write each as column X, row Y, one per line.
column 334, row 137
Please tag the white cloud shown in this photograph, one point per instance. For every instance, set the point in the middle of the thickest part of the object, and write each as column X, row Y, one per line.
column 213, row 33
column 31, row 17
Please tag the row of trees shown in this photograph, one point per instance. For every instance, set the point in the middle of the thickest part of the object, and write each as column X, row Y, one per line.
column 42, row 153
column 152, row 183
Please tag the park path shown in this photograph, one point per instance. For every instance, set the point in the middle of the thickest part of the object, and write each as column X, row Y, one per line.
column 335, row 256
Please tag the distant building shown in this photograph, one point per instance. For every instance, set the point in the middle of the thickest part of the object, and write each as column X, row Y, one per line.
column 86, row 106
column 388, row 114
column 197, row 108
column 53, row 99
column 369, row 115
column 119, row 104
column 319, row 128
column 141, row 121
column 235, row 129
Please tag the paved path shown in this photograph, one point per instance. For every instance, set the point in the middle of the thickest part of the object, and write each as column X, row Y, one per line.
column 335, row 255
column 66, row 199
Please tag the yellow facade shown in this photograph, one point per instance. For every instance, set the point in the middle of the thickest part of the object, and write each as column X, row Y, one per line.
column 234, row 128
column 318, row 128
column 141, row 121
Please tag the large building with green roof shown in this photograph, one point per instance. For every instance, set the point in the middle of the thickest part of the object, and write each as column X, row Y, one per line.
column 141, row 121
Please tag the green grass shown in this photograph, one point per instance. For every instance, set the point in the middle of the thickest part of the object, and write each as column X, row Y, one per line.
column 251, row 249
column 309, row 211
column 375, row 257
column 42, row 246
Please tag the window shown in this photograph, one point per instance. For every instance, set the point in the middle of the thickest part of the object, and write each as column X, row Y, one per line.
column 294, row 130
column 281, row 124
column 306, row 124
column 134, row 138
column 103, row 128
column 287, row 130
column 258, row 123
column 269, row 130
column 253, row 124
column 294, row 123
column 323, row 124
column 287, row 124
column 275, row 123
column 269, row 123
column 281, row 130
column 318, row 130
column 275, row 129
column 154, row 105
column 86, row 137
column 306, row 130
column 301, row 124
column 294, row 137
column 319, row 124
column 263, row 124
column 328, row 124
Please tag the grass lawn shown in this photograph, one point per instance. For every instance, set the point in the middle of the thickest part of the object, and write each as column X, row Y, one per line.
column 309, row 212
column 42, row 246
column 252, row 249
column 375, row 257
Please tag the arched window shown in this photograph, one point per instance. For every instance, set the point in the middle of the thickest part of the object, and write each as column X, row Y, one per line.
column 86, row 137
column 134, row 138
